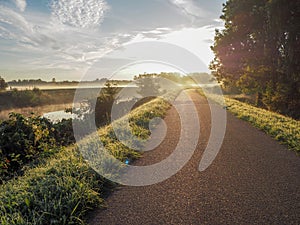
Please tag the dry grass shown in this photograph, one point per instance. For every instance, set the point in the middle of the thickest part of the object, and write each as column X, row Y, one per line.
column 38, row 110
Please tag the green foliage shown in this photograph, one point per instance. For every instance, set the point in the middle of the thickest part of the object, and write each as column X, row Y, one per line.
column 24, row 139
column 282, row 128
column 63, row 132
column 258, row 51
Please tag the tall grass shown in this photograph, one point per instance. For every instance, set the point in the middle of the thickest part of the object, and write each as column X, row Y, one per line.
column 64, row 188
column 38, row 110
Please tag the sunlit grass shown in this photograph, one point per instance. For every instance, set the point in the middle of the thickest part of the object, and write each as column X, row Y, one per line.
column 62, row 189
column 284, row 129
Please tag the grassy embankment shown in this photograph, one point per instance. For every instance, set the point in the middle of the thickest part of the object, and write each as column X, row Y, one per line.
column 284, row 129
column 62, row 189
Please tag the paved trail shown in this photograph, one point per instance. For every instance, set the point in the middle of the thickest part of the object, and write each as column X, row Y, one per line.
column 253, row 180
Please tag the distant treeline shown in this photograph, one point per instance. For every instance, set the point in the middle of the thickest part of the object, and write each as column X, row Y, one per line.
column 36, row 97
column 203, row 78
column 40, row 82
column 35, row 82
column 192, row 78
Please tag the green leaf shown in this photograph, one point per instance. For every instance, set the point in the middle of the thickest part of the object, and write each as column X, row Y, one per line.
column 27, row 202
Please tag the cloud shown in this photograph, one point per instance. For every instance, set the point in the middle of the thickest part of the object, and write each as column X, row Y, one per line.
column 157, row 33
column 79, row 13
column 21, row 4
column 192, row 10
column 74, row 33
column 14, row 20
column 47, row 44
column 15, row 26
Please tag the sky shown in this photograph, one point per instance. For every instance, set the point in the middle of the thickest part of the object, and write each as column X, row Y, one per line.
column 66, row 39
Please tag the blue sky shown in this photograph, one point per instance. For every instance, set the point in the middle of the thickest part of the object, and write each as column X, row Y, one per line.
column 65, row 38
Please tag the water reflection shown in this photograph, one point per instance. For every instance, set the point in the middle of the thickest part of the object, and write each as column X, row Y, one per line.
column 57, row 116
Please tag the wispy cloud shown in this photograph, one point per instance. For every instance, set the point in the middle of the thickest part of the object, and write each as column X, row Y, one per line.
column 21, row 4
column 70, row 37
column 191, row 9
column 25, row 33
column 79, row 13
column 14, row 19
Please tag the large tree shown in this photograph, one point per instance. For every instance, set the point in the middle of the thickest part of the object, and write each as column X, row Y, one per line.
column 258, row 51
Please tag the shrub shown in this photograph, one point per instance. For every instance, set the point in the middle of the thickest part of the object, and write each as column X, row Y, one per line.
column 24, row 139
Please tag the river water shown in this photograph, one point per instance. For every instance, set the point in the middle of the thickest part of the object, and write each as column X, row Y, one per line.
column 56, row 116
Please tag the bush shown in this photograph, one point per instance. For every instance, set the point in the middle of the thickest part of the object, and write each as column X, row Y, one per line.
column 24, row 139
column 63, row 132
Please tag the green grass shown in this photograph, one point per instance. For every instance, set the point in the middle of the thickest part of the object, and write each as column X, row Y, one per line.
column 58, row 192
column 64, row 188
column 284, row 129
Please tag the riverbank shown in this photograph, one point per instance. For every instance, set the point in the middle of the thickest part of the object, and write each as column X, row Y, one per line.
column 13, row 100
column 38, row 110
column 35, row 101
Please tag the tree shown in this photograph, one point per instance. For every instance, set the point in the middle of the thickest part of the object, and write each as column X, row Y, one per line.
column 258, row 51
column 147, row 85
column 99, row 110
column 3, row 84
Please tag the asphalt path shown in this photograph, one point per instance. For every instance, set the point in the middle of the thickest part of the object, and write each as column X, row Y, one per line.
column 253, row 180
